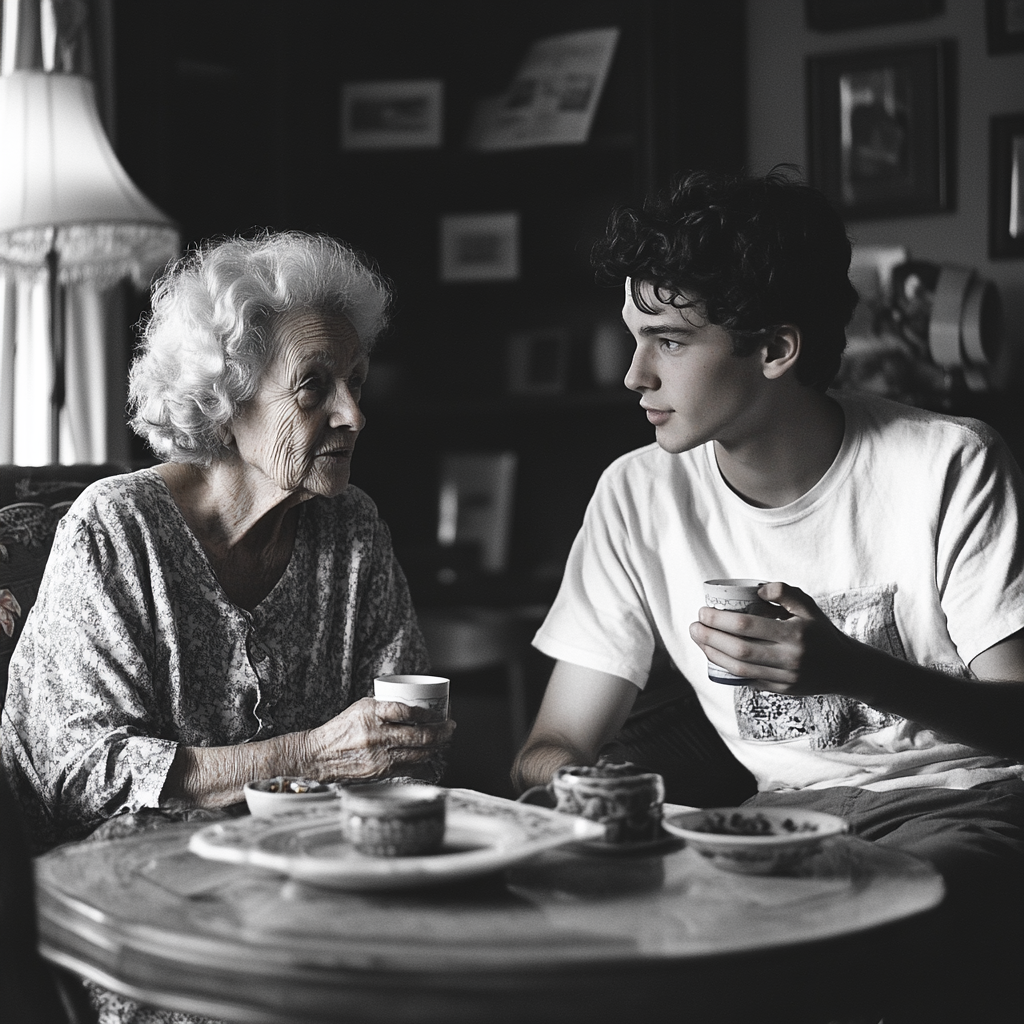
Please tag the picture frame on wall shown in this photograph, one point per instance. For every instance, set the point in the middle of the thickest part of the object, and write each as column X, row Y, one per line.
column 880, row 125
column 1004, row 25
column 1006, row 174
column 479, row 247
column 537, row 362
column 406, row 114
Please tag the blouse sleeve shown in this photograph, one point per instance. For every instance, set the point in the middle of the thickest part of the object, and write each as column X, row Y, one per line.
column 77, row 734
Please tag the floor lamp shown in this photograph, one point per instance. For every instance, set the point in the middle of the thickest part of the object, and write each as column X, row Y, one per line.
column 68, row 211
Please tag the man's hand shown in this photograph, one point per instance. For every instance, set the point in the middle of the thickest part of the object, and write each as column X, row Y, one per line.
column 798, row 653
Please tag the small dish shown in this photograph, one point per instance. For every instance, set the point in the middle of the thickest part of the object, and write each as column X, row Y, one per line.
column 663, row 841
column 382, row 820
column 755, row 840
column 286, row 793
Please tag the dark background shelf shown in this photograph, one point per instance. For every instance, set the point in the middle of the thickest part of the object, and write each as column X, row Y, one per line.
column 228, row 117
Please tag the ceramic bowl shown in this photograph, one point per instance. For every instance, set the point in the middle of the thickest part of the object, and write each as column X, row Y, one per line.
column 285, row 793
column 755, row 840
column 385, row 820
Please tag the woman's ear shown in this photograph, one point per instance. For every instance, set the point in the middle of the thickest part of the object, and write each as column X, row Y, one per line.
column 782, row 350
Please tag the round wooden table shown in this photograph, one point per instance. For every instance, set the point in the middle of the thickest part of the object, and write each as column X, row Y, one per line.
column 569, row 935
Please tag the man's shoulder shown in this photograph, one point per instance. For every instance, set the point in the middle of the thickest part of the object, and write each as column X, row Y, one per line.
column 885, row 420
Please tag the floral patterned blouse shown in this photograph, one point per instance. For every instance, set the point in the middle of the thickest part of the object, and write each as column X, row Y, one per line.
column 133, row 648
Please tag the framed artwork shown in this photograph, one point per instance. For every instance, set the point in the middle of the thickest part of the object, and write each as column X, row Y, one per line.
column 880, row 129
column 476, row 503
column 392, row 115
column 1006, row 172
column 839, row 15
column 1004, row 25
column 479, row 247
column 538, row 362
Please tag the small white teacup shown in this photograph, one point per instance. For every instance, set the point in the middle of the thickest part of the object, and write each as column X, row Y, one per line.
column 419, row 691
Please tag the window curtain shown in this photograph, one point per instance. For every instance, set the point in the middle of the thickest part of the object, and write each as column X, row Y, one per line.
column 92, row 422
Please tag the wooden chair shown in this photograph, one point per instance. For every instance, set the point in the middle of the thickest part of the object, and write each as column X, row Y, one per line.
column 472, row 622
column 32, row 501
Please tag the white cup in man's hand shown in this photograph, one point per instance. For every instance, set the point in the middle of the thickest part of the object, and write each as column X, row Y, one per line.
column 735, row 595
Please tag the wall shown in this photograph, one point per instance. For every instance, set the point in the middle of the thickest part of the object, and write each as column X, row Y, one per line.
column 778, row 43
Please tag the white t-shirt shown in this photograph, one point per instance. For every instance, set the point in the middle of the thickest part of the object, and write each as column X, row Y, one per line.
column 910, row 542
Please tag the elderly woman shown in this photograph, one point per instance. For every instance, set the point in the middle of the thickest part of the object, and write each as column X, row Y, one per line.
column 221, row 616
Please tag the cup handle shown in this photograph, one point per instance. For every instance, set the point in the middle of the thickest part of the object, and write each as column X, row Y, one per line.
column 541, row 796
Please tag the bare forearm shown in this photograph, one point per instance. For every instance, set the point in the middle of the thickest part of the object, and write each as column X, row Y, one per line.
column 537, row 763
column 982, row 713
column 581, row 711
column 215, row 776
column 368, row 740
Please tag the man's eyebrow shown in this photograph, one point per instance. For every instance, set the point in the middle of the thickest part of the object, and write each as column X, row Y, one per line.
column 652, row 329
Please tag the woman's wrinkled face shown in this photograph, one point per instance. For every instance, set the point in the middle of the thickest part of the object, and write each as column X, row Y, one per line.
column 300, row 428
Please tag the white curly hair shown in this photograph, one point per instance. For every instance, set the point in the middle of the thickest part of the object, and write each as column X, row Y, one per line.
column 204, row 345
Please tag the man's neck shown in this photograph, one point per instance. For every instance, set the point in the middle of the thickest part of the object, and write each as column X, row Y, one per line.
column 795, row 444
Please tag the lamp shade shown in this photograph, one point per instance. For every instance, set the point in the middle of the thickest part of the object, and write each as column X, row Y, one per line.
column 59, row 177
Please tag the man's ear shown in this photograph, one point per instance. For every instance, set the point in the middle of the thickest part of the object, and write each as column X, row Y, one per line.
column 782, row 350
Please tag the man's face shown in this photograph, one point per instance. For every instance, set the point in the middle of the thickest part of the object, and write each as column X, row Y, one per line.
column 691, row 385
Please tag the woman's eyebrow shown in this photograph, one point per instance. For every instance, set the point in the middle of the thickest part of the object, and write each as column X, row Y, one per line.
column 316, row 359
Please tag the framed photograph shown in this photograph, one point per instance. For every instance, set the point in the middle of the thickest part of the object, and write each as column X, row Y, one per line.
column 880, row 129
column 479, row 247
column 392, row 115
column 1004, row 25
column 476, row 504
column 538, row 362
column 839, row 15
column 1006, row 172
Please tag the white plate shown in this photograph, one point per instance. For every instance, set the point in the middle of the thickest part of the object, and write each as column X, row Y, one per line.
column 483, row 833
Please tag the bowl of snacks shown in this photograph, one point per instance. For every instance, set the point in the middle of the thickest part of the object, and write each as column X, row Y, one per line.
column 285, row 793
column 755, row 840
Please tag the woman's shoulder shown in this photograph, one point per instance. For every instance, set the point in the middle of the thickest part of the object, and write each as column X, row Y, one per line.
column 353, row 509
column 121, row 495
column 131, row 505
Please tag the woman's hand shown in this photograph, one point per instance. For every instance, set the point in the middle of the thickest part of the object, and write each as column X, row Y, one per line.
column 799, row 653
column 374, row 739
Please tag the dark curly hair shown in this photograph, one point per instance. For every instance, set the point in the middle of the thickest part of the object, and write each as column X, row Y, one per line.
column 750, row 254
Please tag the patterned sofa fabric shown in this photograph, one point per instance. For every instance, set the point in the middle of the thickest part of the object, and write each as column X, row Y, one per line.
column 32, row 501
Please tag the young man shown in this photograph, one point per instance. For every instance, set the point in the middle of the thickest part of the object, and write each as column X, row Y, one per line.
column 890, row 689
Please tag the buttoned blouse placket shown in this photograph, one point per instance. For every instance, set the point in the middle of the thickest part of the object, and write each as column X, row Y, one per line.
column 260, row 661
